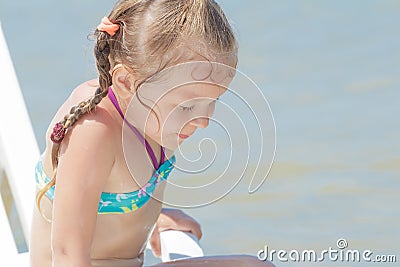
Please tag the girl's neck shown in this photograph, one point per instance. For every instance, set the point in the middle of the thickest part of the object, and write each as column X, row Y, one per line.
column 140, row 135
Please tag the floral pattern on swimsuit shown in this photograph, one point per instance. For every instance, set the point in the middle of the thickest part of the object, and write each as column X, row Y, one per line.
column 117, row 203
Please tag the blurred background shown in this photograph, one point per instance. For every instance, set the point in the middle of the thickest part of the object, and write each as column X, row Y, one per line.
column 330, row 71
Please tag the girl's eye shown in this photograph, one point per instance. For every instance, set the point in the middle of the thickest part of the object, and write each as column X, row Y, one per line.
column 183, row 108
column 190, row 108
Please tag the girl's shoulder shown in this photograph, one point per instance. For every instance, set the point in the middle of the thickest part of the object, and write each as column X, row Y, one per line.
column 101, row 114
column 94, row 134
column 98, row 124
column 83, row 91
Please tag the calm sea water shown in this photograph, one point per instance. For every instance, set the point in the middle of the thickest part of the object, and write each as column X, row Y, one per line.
column 331, row 73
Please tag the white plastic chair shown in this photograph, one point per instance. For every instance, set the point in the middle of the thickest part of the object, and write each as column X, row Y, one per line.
column 18, row 155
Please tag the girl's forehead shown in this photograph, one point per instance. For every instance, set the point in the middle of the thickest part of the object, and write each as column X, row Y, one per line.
column 191, row 79
column 196, row 91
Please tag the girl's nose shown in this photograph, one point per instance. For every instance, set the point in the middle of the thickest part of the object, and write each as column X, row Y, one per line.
column 201, row 122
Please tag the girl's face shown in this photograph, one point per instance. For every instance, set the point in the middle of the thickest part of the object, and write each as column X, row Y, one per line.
column 179, row 101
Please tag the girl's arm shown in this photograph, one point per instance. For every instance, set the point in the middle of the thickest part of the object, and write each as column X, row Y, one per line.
column 87, row 156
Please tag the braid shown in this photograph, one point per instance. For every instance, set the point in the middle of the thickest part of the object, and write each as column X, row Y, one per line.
column 102, row 51
column 74, row 114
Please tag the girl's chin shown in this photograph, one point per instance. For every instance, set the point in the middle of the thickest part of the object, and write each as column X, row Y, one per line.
column 171, row 143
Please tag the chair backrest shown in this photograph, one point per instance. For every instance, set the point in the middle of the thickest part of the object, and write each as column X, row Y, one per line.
column 18, row 154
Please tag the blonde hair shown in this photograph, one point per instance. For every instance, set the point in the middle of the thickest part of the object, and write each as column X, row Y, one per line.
column 150, row 31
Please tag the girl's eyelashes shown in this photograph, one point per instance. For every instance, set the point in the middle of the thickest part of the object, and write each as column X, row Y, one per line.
column 190, row 108
column 184, row 108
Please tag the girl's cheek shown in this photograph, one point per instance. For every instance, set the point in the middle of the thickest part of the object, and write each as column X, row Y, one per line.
column 173, row 118
column 153, row 124
column 181, row 121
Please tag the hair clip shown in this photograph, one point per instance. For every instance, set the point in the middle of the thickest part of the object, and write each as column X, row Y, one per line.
column 107, row 26
column 58, row 133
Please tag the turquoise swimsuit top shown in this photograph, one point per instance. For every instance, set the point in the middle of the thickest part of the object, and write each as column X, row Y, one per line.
column 118, row 203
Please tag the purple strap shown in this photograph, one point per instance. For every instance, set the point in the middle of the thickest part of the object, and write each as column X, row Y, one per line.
column 150, row 151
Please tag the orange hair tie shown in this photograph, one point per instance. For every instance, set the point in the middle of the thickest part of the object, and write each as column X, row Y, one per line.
column 107, row 26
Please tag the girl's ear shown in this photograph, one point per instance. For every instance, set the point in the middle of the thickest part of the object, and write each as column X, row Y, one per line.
column 122, row 81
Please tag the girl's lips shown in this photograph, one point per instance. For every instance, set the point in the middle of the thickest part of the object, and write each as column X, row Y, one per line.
column 183, row 136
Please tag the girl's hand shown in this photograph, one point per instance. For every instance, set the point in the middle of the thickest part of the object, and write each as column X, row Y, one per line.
column 172, row 219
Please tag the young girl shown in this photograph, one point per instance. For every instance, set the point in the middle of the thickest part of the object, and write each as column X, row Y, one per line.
column 110, row 146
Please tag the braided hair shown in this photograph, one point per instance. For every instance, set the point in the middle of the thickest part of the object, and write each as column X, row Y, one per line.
column 102, row 52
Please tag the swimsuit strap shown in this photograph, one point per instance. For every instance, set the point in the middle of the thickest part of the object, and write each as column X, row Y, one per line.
column 150, row 151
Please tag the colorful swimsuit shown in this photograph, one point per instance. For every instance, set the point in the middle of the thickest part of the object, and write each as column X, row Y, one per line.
column 118, row 203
